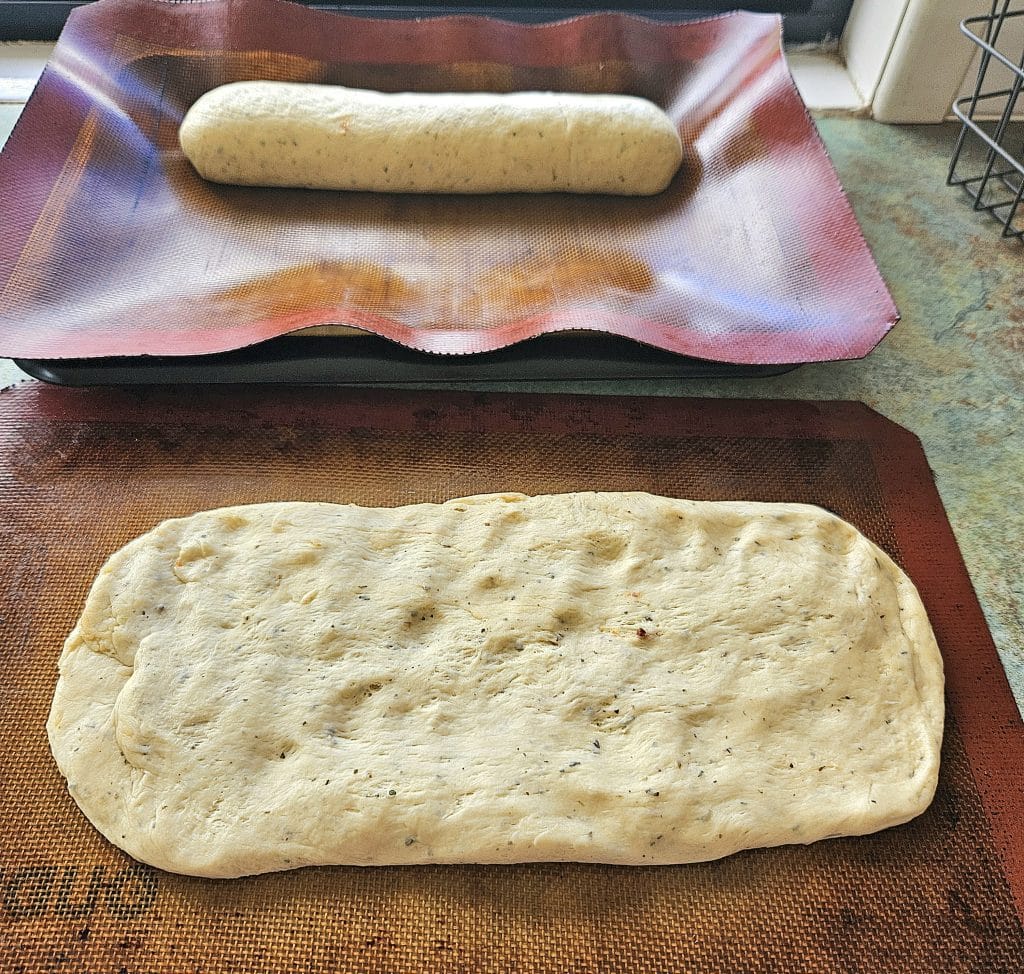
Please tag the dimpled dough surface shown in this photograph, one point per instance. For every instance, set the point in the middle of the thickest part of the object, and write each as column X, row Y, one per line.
column 610, row 677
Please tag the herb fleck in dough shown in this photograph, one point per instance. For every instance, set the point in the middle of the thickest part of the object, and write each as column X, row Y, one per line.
column 275, row 133
column 610, row 677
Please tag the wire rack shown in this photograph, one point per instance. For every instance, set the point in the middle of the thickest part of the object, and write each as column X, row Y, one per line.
column 987, row 160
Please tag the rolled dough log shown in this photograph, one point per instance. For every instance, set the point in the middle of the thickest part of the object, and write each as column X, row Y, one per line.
column 271, row 133
column 611, row 677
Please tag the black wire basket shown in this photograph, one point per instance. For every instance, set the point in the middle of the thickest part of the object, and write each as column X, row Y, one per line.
column 988, row 160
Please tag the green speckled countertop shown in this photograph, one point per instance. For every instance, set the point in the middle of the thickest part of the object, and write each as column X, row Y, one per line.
column 952, row 371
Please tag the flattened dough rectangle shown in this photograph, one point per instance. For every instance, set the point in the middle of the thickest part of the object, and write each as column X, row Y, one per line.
column 610, row 677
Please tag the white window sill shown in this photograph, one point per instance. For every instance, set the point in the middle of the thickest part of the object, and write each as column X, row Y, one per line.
column 824, row 83
column 21, row 63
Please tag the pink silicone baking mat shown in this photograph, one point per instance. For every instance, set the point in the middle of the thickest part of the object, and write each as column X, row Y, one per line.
column 114, row 246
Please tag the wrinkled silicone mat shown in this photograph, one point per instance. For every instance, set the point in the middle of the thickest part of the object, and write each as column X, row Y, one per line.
column 114, row 246
column 84, row 471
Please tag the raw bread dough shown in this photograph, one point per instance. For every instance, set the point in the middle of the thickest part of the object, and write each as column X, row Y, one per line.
column 275, row 133
column 611, row 677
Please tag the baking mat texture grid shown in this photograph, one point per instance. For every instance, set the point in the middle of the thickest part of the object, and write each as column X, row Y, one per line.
column 114, row 246
column 81, row 473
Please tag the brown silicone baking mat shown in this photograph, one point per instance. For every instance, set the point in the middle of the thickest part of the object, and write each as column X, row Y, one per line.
column 114, row 246
column 83, row 471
